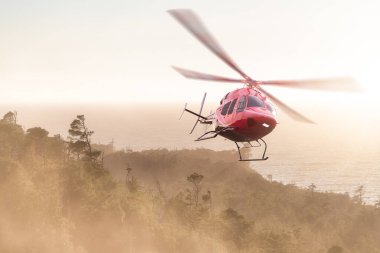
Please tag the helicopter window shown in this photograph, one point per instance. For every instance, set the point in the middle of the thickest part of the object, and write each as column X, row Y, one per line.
column 255, row 102
column 270, row 108
column 225, row 108
column 232, row 106
column 241, row 104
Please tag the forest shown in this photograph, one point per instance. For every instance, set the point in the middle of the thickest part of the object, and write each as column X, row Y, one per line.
column 71, row 195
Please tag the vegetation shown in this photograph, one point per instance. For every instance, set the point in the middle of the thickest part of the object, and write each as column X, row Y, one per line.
column 60, row 195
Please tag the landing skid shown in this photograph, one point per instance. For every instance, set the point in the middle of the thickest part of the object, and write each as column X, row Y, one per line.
column 263, row 158
column 212, row 134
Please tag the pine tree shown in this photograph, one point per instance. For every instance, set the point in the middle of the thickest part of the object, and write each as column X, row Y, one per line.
column 80, row 140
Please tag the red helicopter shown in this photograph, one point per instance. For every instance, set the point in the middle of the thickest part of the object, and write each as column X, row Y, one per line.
column 245, row 115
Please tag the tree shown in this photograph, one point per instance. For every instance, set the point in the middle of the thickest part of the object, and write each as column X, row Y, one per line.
column 207, row 198
column 131, row 181
column 56, row 147
column 37, row 138
column 10, row 117
column 235, row 227
column 195, row 179
column 11, row 136
column 359, row 193
column 80, row 139
column 36, row 133
column 312, row 187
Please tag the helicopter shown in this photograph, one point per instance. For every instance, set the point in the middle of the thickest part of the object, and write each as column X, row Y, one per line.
column 247, row 114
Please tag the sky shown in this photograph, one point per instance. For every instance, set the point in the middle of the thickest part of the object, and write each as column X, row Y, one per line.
column 78, row 51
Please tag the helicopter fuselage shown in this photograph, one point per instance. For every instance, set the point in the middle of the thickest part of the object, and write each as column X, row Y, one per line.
column 247, row 113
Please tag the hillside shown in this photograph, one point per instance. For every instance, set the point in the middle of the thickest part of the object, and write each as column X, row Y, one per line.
column 61, row 195
column 285, row 217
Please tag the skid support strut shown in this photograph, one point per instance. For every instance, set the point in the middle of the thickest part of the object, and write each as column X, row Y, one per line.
column 263, row 158
column 212, row 134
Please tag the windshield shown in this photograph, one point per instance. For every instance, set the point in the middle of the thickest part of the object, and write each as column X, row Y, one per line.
column 271, row 108
column 255, row 102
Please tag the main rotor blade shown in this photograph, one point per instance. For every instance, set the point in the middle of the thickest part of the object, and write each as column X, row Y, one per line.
column 291, row 112
column 345, row 84
column 202, row 76
column 194, row 25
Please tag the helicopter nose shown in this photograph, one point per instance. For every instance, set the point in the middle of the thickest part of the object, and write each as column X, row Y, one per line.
column 269, row 126
column 266, row 121
column 270, row 119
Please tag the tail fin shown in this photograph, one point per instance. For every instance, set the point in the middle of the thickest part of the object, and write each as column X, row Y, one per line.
column 184, row 109
column 200, row 112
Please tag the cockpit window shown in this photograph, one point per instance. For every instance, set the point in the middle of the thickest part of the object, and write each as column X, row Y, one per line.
column 225, row 97
column 255, row 102
column 232, row 106
column 225, row 108
column 270, row 108
column 241, row 104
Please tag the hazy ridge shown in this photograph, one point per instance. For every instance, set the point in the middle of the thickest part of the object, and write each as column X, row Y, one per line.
column 67, row 198
column 338, row 154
